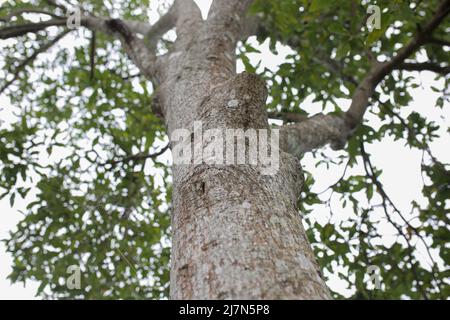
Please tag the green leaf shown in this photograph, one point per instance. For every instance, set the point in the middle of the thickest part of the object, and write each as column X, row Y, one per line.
column 12, row 197
column 319, row 5
column 374, row 36
column 343, row 50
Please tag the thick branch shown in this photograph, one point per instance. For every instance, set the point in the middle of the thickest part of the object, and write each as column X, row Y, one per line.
column 224, row 12
column 336, row 129
column 135, row 47
column 363, row 93
column 313, row 133
column 164, row 24
column 287, row 116
column 91, row 22
column 188, row 18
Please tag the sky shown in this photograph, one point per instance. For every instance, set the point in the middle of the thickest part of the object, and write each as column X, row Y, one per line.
column 401, row 165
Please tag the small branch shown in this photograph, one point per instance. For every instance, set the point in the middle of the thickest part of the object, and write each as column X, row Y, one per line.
column 88, row 21
column 56, row 5
column 424, row 66
column 371, row 174
column 439, row 42
column 336, row 183
column 131, row 76
column 423, row 36
column 334, row 67
column 143, row 56
column 127, row 77
column 31, row 58
column 92, row 55
column 137, row 157
column 20, row 30
column 28, row 10
column 370, row 171
column 412, row 133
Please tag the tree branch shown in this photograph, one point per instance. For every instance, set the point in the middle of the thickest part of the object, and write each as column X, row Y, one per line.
column 90, row 22
column 223, row 10
column 363, row 93
column 164, row 24
column 31, row 58
column 137, row 157
column 28, row 10
column 188, row 18
column 439, row 42
column 55, row 4
column 424, row 66
column 287, row 116
column 313, row 133
column 20, row 30
column 336, row 129
column 92, row 53
column 143, row 56
column 386, row 200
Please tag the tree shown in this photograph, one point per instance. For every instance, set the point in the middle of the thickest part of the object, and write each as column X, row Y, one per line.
column 235, row 231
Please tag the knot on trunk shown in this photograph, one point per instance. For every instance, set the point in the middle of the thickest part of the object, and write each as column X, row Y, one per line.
column 237, row 103
column 250, row 86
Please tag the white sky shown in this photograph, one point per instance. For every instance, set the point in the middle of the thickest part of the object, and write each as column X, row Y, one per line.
column 401, row 166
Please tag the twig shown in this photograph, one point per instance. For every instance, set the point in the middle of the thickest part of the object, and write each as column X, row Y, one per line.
column 137, row 157
column 31, row 58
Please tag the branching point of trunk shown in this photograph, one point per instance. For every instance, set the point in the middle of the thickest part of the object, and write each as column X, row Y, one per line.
column 117, row 25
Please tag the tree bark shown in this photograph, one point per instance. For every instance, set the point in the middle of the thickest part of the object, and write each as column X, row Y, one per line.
column 237, row 233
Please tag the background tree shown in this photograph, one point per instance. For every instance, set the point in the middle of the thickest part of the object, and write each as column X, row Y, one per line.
column 90, row 129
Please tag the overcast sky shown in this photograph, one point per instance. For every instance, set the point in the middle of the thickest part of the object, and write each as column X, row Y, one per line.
column 401, row 166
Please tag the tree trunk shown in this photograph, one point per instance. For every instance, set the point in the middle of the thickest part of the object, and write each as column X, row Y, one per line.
column 237, row 233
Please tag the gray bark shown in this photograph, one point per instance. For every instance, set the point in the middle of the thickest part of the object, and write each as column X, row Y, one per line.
column 237, row 233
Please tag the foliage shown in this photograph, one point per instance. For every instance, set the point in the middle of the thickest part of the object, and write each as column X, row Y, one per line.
column 70, row 152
